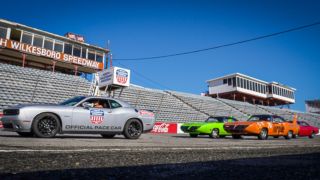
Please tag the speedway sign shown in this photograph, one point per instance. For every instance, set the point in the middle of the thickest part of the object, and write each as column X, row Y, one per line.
column 114, row 76
column 38, row 51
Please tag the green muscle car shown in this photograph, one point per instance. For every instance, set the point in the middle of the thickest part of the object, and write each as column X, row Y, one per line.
column 213, row 127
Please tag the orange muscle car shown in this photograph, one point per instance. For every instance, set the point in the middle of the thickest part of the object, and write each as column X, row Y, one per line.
column 263, row 126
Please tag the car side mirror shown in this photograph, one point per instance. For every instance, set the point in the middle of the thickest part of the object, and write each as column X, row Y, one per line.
column 87, row 105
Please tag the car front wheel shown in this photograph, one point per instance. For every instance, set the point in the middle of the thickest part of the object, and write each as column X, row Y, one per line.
column 214, row 133
column 46, row 125
column 312, row 135
column 263, row 134
column 133, row 129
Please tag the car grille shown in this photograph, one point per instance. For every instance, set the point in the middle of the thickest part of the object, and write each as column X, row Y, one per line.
column 8, row 125
column 9, row 112
column 235, row 129
column 189, row 129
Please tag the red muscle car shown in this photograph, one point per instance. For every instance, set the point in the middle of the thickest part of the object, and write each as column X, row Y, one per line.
column 307, row 130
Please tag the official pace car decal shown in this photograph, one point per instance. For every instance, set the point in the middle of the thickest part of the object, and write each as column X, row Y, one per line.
column 96, row 116
column 122, row 76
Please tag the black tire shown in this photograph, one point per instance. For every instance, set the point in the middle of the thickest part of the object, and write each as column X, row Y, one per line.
column 108, row 136
column 236, row 136
column 263, row 135
column 214, row 133
column 312, row 135
column 46, row 125
column 193, row 135
column 25, row 134
column 133, row 129
column 289, row 135
column 294, row 136
column 275, row 136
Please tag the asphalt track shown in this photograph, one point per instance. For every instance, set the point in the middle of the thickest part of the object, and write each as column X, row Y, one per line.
column 156, row 156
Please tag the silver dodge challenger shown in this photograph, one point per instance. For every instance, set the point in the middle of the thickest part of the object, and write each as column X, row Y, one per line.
column 80, row 114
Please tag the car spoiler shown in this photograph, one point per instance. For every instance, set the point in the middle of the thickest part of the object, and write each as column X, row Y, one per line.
column 295, row 119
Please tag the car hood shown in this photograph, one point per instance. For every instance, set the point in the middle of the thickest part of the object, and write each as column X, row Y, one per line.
column 195, row 124
column 239, row 123
column 32, row 105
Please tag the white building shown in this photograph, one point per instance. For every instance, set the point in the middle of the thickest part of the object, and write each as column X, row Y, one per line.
column 245, row 88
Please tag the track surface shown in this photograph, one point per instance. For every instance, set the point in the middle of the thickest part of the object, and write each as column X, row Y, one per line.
column 157, row 157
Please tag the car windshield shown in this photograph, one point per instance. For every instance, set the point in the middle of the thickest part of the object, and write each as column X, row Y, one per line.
column 72, row 101
column 260, row 118
column 215, row 119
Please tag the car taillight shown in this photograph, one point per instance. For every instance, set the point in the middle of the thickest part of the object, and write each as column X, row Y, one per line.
column 9, row 112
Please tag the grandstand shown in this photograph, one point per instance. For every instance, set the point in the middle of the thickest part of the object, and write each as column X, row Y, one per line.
column 20, row 85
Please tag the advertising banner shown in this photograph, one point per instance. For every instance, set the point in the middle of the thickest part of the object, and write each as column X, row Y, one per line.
column 38, row 51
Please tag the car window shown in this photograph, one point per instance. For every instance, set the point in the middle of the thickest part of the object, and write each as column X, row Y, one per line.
column 303, row 124
column 215, row 119
column 278, row 120
column 98, row 103
column 72, row 101
column 114, row 104
column 260, row 118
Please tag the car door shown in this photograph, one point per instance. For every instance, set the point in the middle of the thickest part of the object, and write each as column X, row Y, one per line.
column 93, row 119
column 278, row 125
column 305, row 129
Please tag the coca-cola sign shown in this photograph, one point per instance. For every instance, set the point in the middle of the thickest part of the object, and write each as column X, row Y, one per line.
column 162, row 127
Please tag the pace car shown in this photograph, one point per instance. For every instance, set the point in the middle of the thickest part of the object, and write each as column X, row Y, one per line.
column 80, row 114
column 213, row 127
column 264, row 126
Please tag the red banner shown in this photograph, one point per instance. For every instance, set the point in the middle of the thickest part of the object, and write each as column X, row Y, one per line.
column 162, row 127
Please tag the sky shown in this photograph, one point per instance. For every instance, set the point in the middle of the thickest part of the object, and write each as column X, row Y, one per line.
column 138, row 29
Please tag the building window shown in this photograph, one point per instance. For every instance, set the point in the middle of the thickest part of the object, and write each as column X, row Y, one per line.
column 76, row 51
column 58, row 46
column 229, row 81
column 15, row 35
column 27, row 38
column 84, row 53
column 238, row 82
column 48, row 44
column 99, row 57
column 3, row 32
column 38, row 41
column 225, row 81
column 234, row 83
column 242, row 83
column 91, row 55
column 68, row 48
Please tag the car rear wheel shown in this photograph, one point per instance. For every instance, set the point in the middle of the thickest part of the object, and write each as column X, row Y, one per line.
column 214, row 133
column 236, row 136
column 193, row 135
column 46, row 125
column 108, row 136
column 132, row 129
column 289, row 135
column 25, row 134
column 263, row 134
column 312, row 135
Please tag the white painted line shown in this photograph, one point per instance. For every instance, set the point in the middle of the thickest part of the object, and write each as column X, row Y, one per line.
column 137, row 149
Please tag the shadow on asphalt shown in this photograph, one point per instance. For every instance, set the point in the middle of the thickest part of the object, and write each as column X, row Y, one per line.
column 304, row 166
